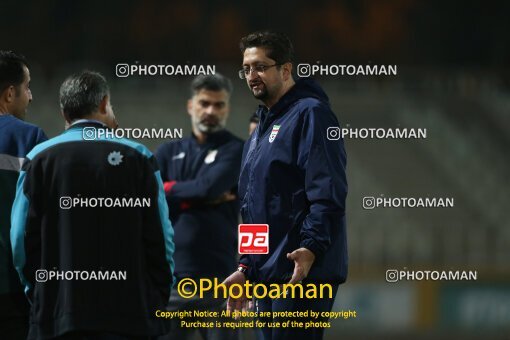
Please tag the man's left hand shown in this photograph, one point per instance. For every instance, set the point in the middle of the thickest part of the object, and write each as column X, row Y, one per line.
column 303, row 260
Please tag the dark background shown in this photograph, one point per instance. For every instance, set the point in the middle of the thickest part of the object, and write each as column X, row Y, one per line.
column 452, row 79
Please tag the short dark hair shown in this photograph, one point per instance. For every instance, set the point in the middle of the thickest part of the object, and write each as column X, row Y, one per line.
column 81, row 94
column 277, row 45
column 212, row 82
column 11, row 69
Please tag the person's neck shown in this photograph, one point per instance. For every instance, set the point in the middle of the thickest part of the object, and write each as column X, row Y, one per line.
column 200, row 136
column 4, row 110
column 286, row 87
column 69, row 124
column 93, row 116
column 7, row 113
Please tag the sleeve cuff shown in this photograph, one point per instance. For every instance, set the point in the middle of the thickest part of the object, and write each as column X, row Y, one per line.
column 314, row 247
column 167, row 186
column 245, row 262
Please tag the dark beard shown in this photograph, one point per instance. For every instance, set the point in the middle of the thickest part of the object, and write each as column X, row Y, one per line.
column 262, row 95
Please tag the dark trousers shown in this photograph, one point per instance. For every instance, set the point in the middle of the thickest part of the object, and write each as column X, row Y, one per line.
column 14, row 311
column 15, row 328
column 209, row 303
column 289, row 304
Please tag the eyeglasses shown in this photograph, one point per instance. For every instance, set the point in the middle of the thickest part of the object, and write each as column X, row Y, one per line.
column 260, row 69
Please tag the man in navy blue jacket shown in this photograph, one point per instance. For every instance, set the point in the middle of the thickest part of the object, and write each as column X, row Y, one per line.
column 17, row 138
column 200, row 174
column 293, row 179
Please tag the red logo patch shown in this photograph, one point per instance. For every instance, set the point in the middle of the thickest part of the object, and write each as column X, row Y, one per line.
column 253, row 238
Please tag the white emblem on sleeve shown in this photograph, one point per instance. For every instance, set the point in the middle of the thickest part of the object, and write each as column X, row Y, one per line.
column 179, row 156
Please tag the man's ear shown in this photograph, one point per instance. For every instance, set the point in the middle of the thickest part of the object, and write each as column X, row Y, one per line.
column 189, row 106
column 103, row 104
column 65, row 117
column 9, row 94
column 287, row 71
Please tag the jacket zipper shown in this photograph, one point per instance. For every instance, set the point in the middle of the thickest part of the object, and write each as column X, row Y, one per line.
column 254, row 156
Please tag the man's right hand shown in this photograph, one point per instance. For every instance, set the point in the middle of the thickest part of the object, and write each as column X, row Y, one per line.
column 242, row 303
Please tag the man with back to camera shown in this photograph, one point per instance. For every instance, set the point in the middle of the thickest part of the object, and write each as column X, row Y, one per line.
column 200, row 174
column 293, row 179
column 122, row 250
column 17, row 138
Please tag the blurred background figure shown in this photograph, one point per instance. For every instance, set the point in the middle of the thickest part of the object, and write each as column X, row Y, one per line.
column 200, row 174
column 254, row 122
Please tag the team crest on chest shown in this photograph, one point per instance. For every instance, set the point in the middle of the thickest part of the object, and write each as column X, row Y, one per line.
column 274, row 132
column 211, row 156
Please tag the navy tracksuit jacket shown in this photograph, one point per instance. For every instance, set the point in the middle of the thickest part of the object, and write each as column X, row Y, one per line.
column 205, row 233
column 17, row 138
column 293, row 179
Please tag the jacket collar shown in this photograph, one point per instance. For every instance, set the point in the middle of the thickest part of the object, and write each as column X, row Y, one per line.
column 81, row 123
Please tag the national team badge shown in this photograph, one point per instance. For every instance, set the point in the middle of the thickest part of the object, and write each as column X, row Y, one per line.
column 211, row 156
column 274, row 132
